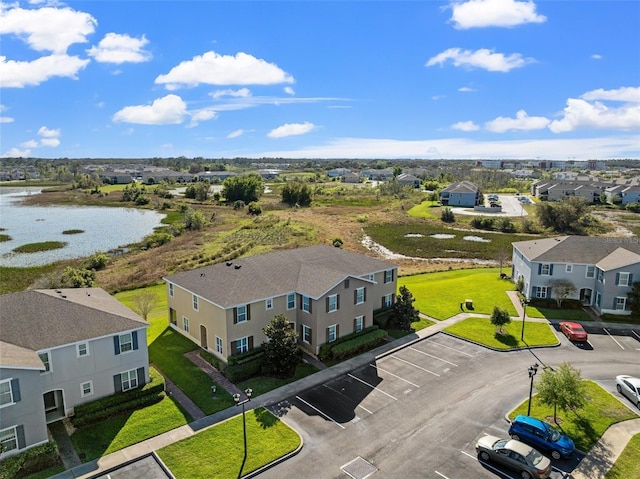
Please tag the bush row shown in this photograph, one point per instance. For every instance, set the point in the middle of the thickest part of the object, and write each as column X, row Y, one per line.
column 120, row 403
column 246, row 365
column 351, row 343
column 29, row 462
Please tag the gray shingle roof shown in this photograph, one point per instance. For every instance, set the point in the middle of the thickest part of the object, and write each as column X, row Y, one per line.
column 46, row 318
column 311, row 271
column 608, row 253
column 462, row 187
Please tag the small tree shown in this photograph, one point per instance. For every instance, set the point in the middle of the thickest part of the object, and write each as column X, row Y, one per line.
column 337, row 242
column 143, row 303
column 447, row 215
column 561, row 289
column 562, row 388
column 281, row 352
column 403, row 311
column 499, row 318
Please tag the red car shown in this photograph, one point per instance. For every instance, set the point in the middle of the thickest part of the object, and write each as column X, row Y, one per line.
column 573, row 331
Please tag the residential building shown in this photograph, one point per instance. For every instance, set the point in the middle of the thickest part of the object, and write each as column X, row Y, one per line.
column 407, row 179
column 383, row 174
column 323, row 291
column 555, row 190
column 463, row 193
column 59, row 349
column 350, row 178
column 601, row 269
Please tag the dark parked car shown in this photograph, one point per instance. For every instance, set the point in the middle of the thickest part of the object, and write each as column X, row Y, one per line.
column 515, row 455
column 542, row 436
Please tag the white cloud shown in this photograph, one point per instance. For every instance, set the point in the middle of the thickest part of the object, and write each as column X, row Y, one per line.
column 201, row 115
column 214, row 69
column 289, row 91
column 236, row 133
column 628, row 94
column 466, row 89
column 522, row 121
column 240, row 93
column 291, row 129
column 16, row 153
column 48, row 133
column 465, row 126
column 168, row 110
column 47, row 29
column 29, row 144
column 580, row 114
column 483, row 58
column 596, row 56
column 494, row 13
column 17, row 74
column 52, row 142
column 117, row 48
column 6, row 119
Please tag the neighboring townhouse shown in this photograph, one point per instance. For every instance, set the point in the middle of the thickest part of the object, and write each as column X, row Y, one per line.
column 350, row 178
column 383, row 174
column 463, row 193
column 61, row 348
column 407, row 179
column 601, row 269
column 325, row 293
column 556, row 190
column 629, row 195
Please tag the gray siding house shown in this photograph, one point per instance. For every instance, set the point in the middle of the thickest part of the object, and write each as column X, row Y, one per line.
column 601, row 269
column 59, row 349
column 463, row 193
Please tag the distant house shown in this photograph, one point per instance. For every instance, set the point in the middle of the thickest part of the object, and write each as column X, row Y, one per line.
column 555, row 190
column 601, row 269
column 338, row 172
column 170, row 176
column 630, row 194
column 323, row 291
column 463, row 193
column 383, row 174
column 350, row 178
column 59, row 349
column 215, row 176
column 407, row 179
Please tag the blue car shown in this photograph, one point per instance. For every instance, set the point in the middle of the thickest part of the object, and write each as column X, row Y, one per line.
column 541, row 435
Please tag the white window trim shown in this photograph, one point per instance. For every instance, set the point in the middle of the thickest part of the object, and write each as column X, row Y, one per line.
column 372, row 277
column 568, row 268
column 195, row 302
column 128, row 373
column 626, row 283
column 388, row 300
column 542, row 269
column 10, row 393
column 305, row 328
column 121, row 343
column 15, row 436
column 623, row 303
column 242, row 345
column 358, row 291
column 268, row 304
column 359, row 319
column 50, row 370
column 389, row 273
column 333, row 328
column 90, row 393
column 294, row 301
column 171, row 291
column 333, row 303
column 243, row 314
column 306, row 305
column 86, row 343
column 185, row 325
column 593, row 272
column 219, row 345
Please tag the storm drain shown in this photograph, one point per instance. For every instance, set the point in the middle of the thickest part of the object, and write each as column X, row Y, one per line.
column 359, row 468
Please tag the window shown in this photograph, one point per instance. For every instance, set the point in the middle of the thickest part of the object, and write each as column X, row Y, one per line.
column 126, row 342
column 624, row 279
column 195, row 302
column 46, row 360
column 86, row 389
column 568, row 268
column 129, row 380
column 540, row 291
column 372, row 277
column 241, row 314
column 242, row 345
column 600, row 275
column 8, row 391
column 268, row 303
column 591, row 271
column 387, row 300
column 185, row 324
column 171, row 289
column 291, row 301
column 388, row 276
column 358, row 324
column 306, row 304
column 332, row 333
column 219, row 345
column 545, row 269
column 598, row 298
column 360, row 295
column 332, row 303
column 8, row 439
column 306, row 334
column 621, row 303
column 82, row 349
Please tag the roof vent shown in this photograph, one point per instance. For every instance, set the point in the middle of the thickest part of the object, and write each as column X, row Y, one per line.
column 237, row 266
column 229, row 263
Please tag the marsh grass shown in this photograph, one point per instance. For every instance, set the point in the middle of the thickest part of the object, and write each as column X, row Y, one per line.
column 41, row 246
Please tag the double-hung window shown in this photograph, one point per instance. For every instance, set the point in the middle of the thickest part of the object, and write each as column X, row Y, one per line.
column 46, row 360
column 8, row 439
column 86, row 389
column 360, row 295
column 218, row 345
column 82, row 349
column 545, row 269
column 6, row 393
column 306, row 304
column 388, row 276
column 332, row 333
column 387, row 300
column 621, row 303
column 306, row 334
column 332, row 303
column 540, row 291
column 623, row 279
column 126, row 342
column 591, row 271
column 241, row 315
column 195, row 302
column 129, row 379
column 268, row 303
column 600, row 275
column 291, row 301
column 185, row 324
column 358, row 324
column 171, row 290
column 242, row 345
column 568, row 268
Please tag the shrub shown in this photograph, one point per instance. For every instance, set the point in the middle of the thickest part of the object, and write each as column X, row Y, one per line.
column 447, row 215
column 244, row 366
column 352, row 344
column 254, row 208
column 31, row 461
column 157, row 239
column 98, row 261
column 325, row 349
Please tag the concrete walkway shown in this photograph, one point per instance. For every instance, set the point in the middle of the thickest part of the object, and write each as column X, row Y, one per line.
column 67, row 452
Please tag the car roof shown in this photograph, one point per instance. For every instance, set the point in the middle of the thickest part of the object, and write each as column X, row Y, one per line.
column 519, row 447
column 632, row 380
column 572, row 325
column 529, row 420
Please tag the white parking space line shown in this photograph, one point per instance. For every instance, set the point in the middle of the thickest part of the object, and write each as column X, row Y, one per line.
column 467, row 454
column 320, row 412
column 635, row 334
column 441, row 475
column 394, row 375
column 432, row 356
column 452, row 349
column 415, row 366
column 614, row 339
column 372, row 386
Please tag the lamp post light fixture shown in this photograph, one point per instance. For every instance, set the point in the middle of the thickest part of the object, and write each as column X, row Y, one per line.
column 532, row 372
column 236, row 398
column 525, row 302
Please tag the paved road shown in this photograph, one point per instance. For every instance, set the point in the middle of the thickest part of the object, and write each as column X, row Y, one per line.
column 419, row 411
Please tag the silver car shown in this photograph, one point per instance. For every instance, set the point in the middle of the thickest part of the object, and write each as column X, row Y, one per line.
column 515, row 455
column 630, row 387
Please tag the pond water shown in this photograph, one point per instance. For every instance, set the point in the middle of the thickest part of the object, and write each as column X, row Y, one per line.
column 103, row 228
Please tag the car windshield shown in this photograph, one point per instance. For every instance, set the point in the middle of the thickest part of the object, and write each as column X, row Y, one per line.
column 534, row 457
column 554, row 434
column 499, row 444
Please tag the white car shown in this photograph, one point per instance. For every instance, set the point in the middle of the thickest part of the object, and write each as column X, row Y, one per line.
column 630, row 387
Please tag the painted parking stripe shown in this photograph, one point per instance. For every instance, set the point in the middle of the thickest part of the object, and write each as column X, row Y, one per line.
column 415, row 365
column 394, row 375
column 614, row 339
column 320, row 412
column 449, row 347
column 635, row 334
column 432, row 356
column 441, row 475
column 371, row 386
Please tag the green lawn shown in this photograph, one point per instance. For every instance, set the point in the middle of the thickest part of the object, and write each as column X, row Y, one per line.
column 124, row 430
column 264, row 384
column 480, row 330
column 426, row 210
column 627, row 464
column 439, row 295
column 217, row 452
column 586, row 425
column 158, row 316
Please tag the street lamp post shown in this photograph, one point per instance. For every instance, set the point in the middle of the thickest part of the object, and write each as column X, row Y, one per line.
column 236, row 398
column 524, row 302
column 532, row 372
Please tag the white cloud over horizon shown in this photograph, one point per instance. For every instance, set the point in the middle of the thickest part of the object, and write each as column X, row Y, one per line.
column 465, row 126
column 118, row 48
column 522, row 121
column 292, row 129
column 482, row 58
column 18, row 74
column 168, row 110
column 493, row 13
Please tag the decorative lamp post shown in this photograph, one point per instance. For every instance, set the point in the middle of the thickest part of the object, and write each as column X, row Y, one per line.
column 532, row 372
column 236, row 398
column 524, row 302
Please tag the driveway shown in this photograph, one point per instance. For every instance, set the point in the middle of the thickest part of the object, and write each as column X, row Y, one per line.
column 511, row 207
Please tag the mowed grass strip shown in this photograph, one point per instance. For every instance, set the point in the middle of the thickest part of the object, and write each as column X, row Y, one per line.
column 217, row 452
column 439, row 295
column 627, row 464
column 480, row 330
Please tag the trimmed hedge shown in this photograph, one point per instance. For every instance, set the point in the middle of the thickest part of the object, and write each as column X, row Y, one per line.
column 352, row 344
column 382, row 317
column 31, row 461
column 245, row 365
column 120, row 403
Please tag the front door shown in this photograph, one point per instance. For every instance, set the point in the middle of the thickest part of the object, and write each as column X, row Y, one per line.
column 203, row 336
column 585, row 295
column 53, row 405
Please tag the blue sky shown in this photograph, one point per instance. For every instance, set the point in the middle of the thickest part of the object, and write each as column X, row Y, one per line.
column 320, row 79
